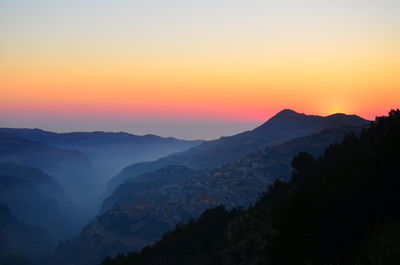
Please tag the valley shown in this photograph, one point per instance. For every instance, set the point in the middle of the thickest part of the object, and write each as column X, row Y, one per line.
column 149, row 198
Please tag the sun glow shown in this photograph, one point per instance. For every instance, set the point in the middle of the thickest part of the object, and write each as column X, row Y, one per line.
column 237, row 61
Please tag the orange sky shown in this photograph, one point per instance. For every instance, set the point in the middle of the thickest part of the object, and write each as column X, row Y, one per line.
column 229, row 61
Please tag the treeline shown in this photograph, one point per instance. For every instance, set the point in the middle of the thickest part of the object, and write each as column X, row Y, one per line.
column 339, row 209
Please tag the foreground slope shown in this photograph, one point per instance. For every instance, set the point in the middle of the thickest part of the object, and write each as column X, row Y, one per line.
column 341, row 208
column 284, row 126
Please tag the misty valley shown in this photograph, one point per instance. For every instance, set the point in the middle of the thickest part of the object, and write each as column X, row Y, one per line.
column 298, row 189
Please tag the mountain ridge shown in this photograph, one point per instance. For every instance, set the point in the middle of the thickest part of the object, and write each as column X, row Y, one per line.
column 339, row 208
column 150, row 203
column 38, row 133
column 291, row 125
column 109, row 151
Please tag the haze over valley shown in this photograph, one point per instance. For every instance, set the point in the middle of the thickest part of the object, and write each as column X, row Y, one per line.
column 107, row 193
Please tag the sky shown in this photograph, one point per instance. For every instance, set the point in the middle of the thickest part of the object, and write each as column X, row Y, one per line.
column 194, row 69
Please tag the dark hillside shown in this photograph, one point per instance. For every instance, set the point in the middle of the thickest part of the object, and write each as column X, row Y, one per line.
column 18, row 240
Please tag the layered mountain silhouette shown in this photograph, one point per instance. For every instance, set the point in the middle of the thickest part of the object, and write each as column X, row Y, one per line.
column 70, row 168
column 42, row 172
column 156, row 201
column 237, row 183
column 340, row 208
column 83, row 159
column 107, row 150
column 285, row 125
column 50, row 183
column 181, row 186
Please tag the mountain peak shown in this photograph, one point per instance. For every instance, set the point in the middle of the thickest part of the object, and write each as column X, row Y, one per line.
column 286, row 113
column 288, row 119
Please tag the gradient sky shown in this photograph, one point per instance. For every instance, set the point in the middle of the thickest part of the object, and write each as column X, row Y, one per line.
column 194, row 69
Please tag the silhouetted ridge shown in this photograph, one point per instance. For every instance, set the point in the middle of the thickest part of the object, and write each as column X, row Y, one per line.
column 284, row 126
column 154, row 196
column 340, row 208
column 289, row 119
column 287, row 113
column 109, row 151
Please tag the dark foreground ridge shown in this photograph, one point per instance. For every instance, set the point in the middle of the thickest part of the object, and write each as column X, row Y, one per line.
column 341, row 208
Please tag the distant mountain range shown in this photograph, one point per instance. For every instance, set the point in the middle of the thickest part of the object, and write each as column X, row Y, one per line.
column 108, row 151
column 237, row 183
column 51, row 183
column 156, row 201
column 70, row 168
column 285, row 125
column 83, row 159
column 339, row 208
column 152, row 197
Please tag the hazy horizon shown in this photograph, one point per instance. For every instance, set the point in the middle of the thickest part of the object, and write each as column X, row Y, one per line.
column 185, row 130
column 198, row 130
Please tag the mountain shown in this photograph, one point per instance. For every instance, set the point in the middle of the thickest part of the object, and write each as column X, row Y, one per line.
column 152, row 185
column 341, row 208
column 236, row 184
column 107, row 150
column 36, row 199
column 70, row 168
column 284, row 126
column 41, row 180
column 18, row 240
column 144, row 207
column 108, row 235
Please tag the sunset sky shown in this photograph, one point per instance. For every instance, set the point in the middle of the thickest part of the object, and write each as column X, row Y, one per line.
column 194, row 69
